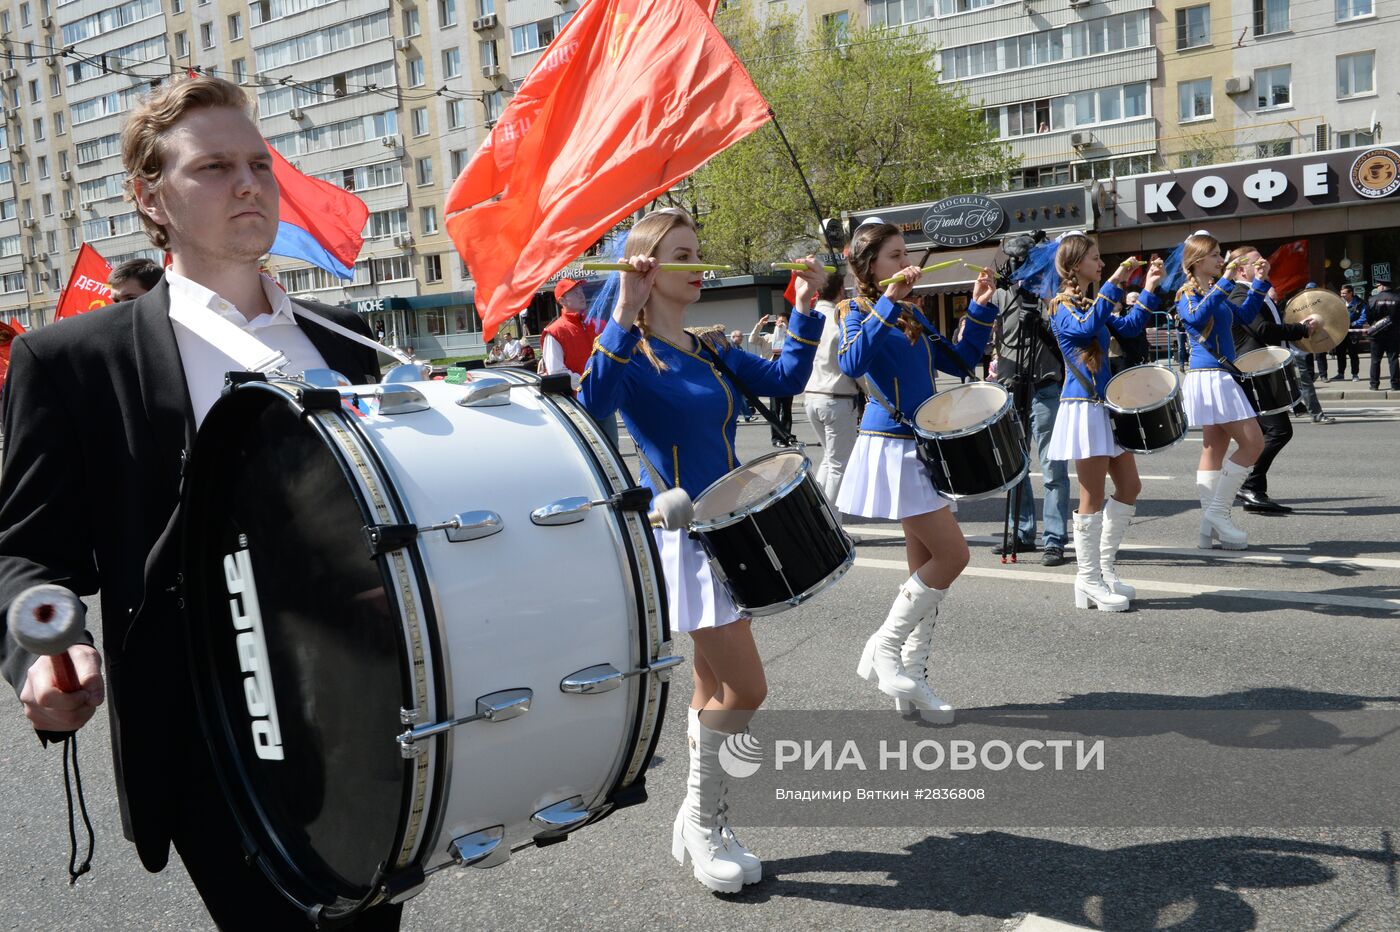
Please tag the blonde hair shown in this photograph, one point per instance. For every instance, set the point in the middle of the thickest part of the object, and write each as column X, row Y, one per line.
column 865, row 249
column 643, row 239
column 1198, row 246
column 1068, row 255
column 143, row 137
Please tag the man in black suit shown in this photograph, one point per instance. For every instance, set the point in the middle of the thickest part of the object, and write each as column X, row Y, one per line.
column 1267, row 329
column 102, row 410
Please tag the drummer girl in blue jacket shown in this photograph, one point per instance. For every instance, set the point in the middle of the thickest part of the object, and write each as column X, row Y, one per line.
column 884, row 339
column 680, row 411
column 1214, row 401
column 1082, row 429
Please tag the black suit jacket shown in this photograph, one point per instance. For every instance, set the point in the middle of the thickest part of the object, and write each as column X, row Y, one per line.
column 99, row 429
column 1262, row 331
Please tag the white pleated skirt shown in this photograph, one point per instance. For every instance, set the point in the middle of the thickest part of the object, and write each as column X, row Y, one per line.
column 1212, row 396
column 695, row 598
column 1082, row 429
column 884, row 479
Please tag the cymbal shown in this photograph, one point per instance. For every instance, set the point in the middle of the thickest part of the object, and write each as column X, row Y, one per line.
column 1330, row 311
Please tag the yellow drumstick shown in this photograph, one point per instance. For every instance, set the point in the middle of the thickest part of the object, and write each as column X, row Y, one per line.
column 663, row 267
column 977, row 268
column 798, row 267
column 1133, row 263
column 927, row 268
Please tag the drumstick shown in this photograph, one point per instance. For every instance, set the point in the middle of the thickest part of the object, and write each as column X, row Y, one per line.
column 1132, row 263
column 977, row 268
column 798, row 267
column 47, row 620
column 662, row 267
column 928, row 268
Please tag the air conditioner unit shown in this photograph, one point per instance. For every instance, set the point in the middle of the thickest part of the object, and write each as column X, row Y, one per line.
column 66, row 215
column 65, row 176
column 490, row 71
column 1240, row 85
column 28, row 223
column 262, row 79
column 12, row 114
column 403, row 239
column 1079, row 3
column 401, row 44
column 46, row 22
column 50, row 60
column 1322, row 137
column 9, row 74
column 296, row 113
column 17, row 148
column 391, row 142
column 1080, row 140
column 484, row 22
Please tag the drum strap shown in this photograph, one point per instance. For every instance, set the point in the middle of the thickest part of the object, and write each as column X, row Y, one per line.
column 1094, row 397
column 873, row 391
column 749, row 396
column 940, row 341
column 1224, row 363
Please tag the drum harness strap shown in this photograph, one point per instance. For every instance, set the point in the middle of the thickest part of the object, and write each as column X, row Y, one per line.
column 931, row 334
column 787, row 436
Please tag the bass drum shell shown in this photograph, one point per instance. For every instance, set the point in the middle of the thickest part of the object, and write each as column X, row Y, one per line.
column 971, row 441
column 306, row 707
column 772, row 538
column 1270, row 379
column 1146, row 409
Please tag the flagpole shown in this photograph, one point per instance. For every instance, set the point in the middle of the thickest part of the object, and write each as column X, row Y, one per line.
column 812, row 198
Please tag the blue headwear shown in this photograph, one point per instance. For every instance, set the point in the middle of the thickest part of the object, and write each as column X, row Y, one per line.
column 601, row 307
column 1038, row 274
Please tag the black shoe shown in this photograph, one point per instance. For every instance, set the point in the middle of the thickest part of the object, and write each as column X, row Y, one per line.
column 1375, row 388
column 1324, row 419
column 1260, row 503
column 1022, row 546
column 1338, row 378
column 1052, row 556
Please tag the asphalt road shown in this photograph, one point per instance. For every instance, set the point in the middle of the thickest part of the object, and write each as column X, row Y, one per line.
column 1306, row 618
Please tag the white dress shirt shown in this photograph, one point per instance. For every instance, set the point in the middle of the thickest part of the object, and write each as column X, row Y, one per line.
column 205, row 364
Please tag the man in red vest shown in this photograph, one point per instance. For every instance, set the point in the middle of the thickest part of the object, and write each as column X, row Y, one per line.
column 567, row 343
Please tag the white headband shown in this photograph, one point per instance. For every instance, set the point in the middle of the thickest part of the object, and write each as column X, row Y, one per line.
column 1203, row 233
column 1069, row 233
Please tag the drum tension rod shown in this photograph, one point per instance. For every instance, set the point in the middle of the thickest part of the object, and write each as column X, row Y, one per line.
column 495, row 707
column 572, row 510
column 468, row 525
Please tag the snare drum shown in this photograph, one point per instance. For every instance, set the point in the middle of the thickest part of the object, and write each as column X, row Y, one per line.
column 971, row 440
column 1145, row 408
column 772, row 538
column 1270, row 379
column 387, row 683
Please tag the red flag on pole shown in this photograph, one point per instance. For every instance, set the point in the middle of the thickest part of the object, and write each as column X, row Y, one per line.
column 8, row 332
column 87, row 285
column 1288, row 268
column 650, row 93
column 486, row 175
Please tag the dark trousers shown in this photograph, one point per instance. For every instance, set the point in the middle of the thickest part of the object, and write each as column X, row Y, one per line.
column 1278, row 430
column 1389, row 349
column 1344, row 349
column 1318, row 363
column 782, row 410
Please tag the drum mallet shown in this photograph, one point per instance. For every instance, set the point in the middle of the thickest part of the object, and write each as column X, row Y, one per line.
column 671, row 510
column 48, row 620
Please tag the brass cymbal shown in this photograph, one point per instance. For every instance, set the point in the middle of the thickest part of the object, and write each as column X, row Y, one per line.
column 1330, row 311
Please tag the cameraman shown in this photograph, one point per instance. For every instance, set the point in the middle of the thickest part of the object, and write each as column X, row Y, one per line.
column 1034, row 344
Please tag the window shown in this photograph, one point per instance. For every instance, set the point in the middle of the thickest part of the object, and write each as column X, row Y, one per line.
column 411, row 26
column 24, row 17
column 58, row 127
column 55, row 84
column 384, row 223
column 1356, row 75
column 366, row 177
column 46, row 204
column 451, row 63
column 1042, row 177
column 1274, row 86
column 836, row 26
column 1270, row 16
column 447, row 12
column 38, row 129
column 12, row 281
column 1355, row 137
column 7, row 209
column 182, row 44
column 235, row 26
column 34, row 92
column 420, row 121
column 427, row 217
column 900, row 12
column 456, row 114
column 1109, row 34
column 63, row 160
column 177, row 6
column 5, row 21
column 1352, row 9
column 67, row 198
column 1194, row 100
column 51, row 241
column 417, row 75
column 391, row 269
column 432, row 269
column 494, row 102
column 489, row 57
column 240, row 70
column 485, row 7
column 206, row 35
column 323, row 41
column 425, row 170
column 1193, row 27
column 459, row 157
column 532, row 37
column 87, row 67
column 1278, row 147
column 43, row 166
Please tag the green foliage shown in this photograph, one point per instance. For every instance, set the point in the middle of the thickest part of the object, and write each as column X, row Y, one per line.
column 870, row 125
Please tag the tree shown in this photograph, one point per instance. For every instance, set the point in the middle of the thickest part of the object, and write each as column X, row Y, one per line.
column 868, row 119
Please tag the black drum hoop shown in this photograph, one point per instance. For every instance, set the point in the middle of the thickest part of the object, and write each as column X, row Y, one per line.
column 1174, row 393
column 769, row 498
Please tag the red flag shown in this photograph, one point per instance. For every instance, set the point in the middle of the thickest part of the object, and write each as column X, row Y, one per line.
column 486, row 176
column 8, row 332
column 650, row 94
column 87, row 285
column 16, row 326
column 790, row 292
column 320, row 222
column 1288, row 268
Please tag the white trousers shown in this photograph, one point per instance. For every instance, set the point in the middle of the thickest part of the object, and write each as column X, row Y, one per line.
column 834, row 420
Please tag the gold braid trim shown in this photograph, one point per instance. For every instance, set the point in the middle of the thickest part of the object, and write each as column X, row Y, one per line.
column 713, row 335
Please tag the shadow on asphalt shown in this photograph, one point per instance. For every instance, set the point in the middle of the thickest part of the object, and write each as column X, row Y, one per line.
column 1185, row 886
column 1240, row 602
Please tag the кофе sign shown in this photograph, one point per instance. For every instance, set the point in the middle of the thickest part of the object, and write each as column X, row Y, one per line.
column 1247, row 188
column 964, row 220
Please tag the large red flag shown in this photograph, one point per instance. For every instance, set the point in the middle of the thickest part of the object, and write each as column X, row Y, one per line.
column 8, row 332
column 652, row 92
column 1288, row 268
column 87, row 285
column 486, row 175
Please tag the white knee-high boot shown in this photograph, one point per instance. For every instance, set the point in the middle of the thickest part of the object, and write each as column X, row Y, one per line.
column 1206, row 481
column 881, row 661
column 753, row 867
column 1088, row 584
column 914, row 656
column 1116, row 518
column 1216, row 521
column 696, row 831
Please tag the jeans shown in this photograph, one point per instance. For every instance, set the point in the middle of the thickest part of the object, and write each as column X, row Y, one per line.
column 1045, row 402
column 1305, row 382
column 609, row 427
column 834, row 420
